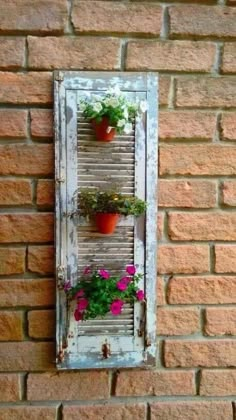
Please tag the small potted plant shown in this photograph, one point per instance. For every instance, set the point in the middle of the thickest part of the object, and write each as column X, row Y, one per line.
column 107, row 207
column 113, row 113
column 98, row 292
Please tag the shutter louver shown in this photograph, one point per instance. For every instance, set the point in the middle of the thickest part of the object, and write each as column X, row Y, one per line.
column 86, row 163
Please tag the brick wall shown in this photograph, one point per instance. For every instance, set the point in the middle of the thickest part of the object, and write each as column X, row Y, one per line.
column 192, row 45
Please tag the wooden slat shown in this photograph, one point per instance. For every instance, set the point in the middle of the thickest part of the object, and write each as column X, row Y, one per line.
column 98, row 164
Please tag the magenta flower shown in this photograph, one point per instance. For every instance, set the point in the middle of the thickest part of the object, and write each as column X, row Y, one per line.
column 67, row 286
column 78, row 315
column 140, row 294
column 122, row 284
column 87, row 270
column 130, row 269
column 104, row 274
column 116, row 307
column 127, row 279
column 79, row 294
column 82, row 304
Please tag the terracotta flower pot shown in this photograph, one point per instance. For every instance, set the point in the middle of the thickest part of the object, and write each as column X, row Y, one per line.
column 106, row 222
column 102, row 132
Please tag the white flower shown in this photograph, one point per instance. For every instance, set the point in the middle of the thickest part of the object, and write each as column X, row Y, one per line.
column 83, row 106
column 143, row 106
column 115, row 90
column 113, row 102
column 121, row 123
column 128, row 128
column 125, row 113
column 97, row 107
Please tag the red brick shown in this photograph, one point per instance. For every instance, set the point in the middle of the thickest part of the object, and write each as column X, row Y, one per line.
column 192, row 410
column 41, row 324
column 197, row 160
column 229, row 193
column 11, row 328
column 229, row 58
column 41, row 123
column 41, row 259
column 209, row 353
column 12, row 261
column 27, row 356
column 208, row 92
column 220, row 321
column 202, row 21
column 161, row 300
column 133, row 19
column 164, row 89
column 26, row 227
column 201, row 290
column 177, row 321
column 103, row 412
column 218, row 383
column 27, row 412
column 45, row 193
column 10, row 387
column 228, row 126
column 187, row 56
column 187, row 193
column 135, row 383
column 73, row 53
column 23, row 16
column 225, row 258
column 68, row 386
column 26, row 292
column 26, row 88
column 186, row 125
column 202, row 226
column 12, row 53
column 160, row 225
column 183, row 259
column 39, row 159
column 13, row 124
column 15, row 192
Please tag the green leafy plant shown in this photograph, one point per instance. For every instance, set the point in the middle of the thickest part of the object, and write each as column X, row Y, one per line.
column 98, row 201
column 98, row 292
column 115, row 106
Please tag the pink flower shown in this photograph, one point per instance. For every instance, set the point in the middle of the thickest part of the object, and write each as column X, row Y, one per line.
column 87, row 270
column 104, row 273
column 130, row 269
column 82, row 304
column 122, row 284
column 79, row 294
column 78, row 315
column 127, row 279
column 140, row 294
column 67, row 286
column 116, row 307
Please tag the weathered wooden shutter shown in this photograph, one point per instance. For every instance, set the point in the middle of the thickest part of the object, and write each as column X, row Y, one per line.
column 81, row 161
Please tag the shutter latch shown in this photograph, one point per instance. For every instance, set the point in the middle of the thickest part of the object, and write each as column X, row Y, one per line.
column 106, row 350
column 59, row 76
column 60, row 276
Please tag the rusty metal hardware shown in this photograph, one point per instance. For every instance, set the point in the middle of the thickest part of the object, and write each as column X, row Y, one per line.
column 106, row 350
column 142, row 323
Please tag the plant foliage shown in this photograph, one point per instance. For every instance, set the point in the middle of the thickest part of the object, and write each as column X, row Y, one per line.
column 98, row 292
column 115, row 106
column 92, row 202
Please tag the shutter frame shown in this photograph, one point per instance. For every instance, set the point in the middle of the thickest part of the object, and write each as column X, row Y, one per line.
column 65, row 125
